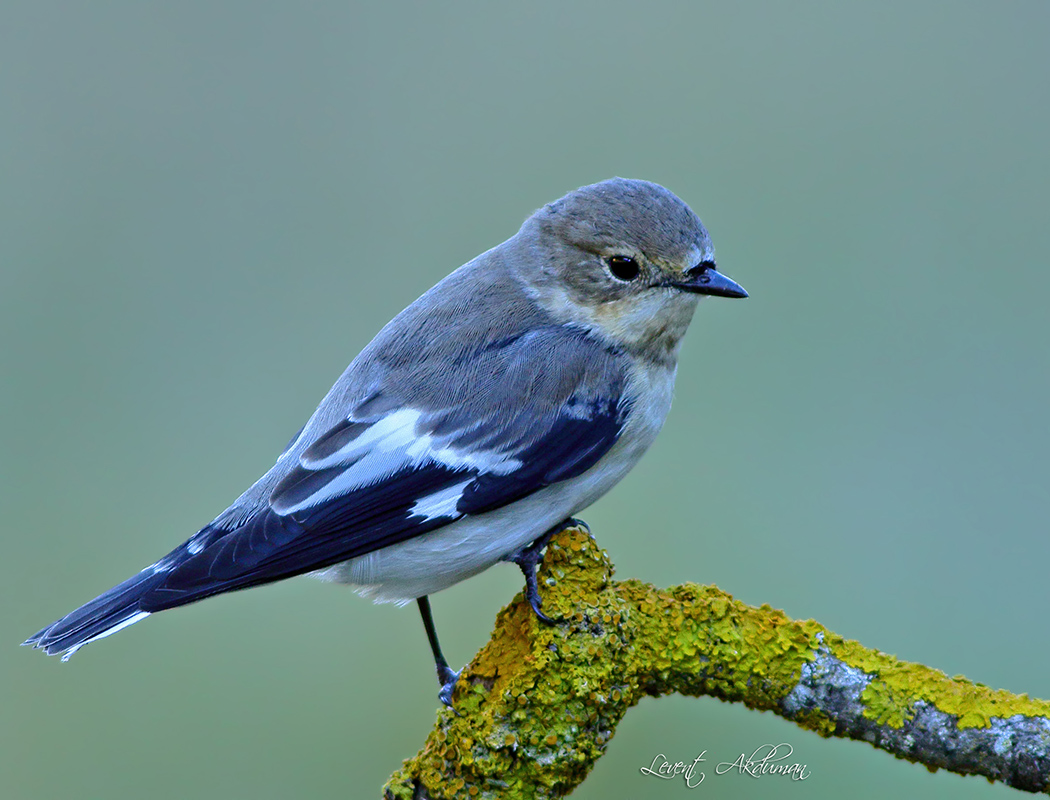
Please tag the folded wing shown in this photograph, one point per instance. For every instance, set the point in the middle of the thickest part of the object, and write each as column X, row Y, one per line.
column 374, row 480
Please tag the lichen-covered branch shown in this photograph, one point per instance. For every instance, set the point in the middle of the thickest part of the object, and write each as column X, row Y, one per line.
column 538, row 705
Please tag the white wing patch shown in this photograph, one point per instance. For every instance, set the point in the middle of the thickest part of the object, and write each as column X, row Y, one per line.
column 440, row 504
column 389, row 446
column 392, row 432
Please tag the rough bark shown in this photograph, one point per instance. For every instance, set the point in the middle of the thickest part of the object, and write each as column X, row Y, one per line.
column 538, row 705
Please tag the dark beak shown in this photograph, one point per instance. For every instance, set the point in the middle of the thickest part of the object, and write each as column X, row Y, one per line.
column 705, row 279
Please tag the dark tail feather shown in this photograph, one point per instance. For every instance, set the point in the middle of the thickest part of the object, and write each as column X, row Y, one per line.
column 120, row 606
column 106, row 614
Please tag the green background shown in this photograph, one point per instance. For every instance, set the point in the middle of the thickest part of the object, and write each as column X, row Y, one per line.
column 206, row 210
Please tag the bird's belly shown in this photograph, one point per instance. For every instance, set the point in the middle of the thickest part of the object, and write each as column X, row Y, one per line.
column 436, row 560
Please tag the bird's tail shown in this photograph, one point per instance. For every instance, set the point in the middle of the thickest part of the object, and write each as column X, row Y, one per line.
column 119, row 607
column 108, row 613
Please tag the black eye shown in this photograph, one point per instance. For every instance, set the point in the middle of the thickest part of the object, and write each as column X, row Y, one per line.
column 624, row 267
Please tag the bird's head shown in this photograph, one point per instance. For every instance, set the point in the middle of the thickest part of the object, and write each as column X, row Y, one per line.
column 626, row 259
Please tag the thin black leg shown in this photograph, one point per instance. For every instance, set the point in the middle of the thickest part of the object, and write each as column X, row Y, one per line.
column 447, row 676
column 530, row 557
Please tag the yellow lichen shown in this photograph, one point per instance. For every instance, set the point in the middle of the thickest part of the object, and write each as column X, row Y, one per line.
column 537, row 706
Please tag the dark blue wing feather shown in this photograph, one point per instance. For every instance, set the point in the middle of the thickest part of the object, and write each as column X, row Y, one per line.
column 271, row 546
column 571, row 447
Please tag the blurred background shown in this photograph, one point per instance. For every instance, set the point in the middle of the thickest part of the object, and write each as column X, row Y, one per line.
column 206, row 210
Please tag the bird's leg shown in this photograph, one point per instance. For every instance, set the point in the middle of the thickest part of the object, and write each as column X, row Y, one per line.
column 530, row 557
column 447, row 676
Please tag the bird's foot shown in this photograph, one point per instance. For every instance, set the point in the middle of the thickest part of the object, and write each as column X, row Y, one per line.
column 575, row 522
column 530, row 557
column 448, row 678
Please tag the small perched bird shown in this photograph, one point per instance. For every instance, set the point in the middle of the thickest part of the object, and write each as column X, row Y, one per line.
column 506, row 399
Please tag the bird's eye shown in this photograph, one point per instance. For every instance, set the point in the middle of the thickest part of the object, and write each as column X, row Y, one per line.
column 624, row 267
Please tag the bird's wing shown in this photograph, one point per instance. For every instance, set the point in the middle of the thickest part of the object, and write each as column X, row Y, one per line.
column 530, row 412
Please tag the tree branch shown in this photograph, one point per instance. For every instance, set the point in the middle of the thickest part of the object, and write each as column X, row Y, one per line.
column 538, row 705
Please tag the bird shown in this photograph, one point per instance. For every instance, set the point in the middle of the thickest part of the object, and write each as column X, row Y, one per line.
column 475, row 425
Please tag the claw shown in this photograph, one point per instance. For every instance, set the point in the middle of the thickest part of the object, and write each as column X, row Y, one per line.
column 448, row 682
column 530, row 557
